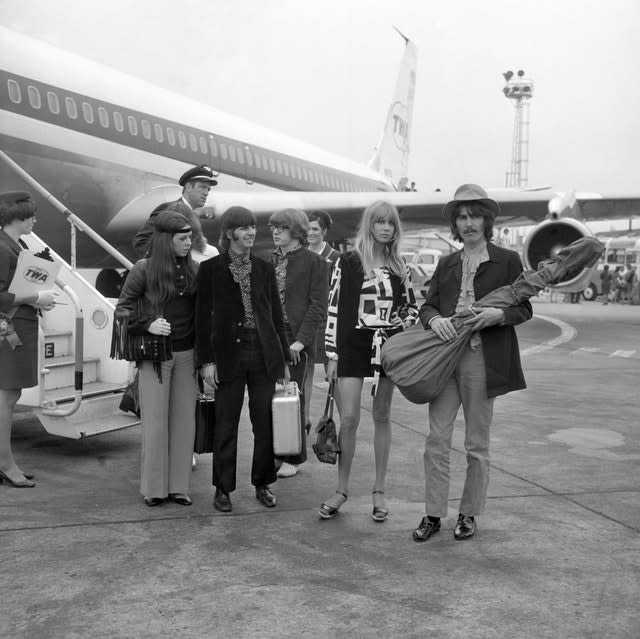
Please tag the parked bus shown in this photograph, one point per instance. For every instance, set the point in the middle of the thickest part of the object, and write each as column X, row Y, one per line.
column 619, row 251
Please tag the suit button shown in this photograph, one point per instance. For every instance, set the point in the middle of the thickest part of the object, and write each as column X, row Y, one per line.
column 238, row 340
column 239, row 323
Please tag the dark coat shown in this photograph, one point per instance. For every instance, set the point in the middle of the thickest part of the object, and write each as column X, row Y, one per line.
column 499, row 343
column 142, row 240
column 220, row 315
column 9, row 251
column 307, row 292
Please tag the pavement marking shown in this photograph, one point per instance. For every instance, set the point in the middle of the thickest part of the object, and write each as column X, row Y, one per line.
column 585, row 349
column 567, row 333
column 622, row 354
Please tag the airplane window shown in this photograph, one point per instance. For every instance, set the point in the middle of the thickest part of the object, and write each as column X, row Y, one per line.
column 118, row 122
column 232, row 152
column 34, row 97
column 171, row 136
column 203, row 145
column 103, row 116
column 223, row 150
column 257, row 161
column 298, row 171
column 133, row 125
column 87, row 111
column 249, row 156
column 146, row 129
column 54, row 103
column 279, row 166
column 292, row 170
column 304, row 174
column 157, row 129
column 193, row 142
column 213, row 148
column 14, row 92
column 265, row 164
column 272, row 165
column 182, row 139
column 72, row 109
column 240, row 156
column 285, row 167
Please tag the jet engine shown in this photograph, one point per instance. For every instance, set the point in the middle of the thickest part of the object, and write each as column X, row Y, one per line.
column 547, row 238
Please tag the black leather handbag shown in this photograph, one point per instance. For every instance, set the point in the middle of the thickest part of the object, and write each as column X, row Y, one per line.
column 137, row 348
column 326, row 447
column 205, row 423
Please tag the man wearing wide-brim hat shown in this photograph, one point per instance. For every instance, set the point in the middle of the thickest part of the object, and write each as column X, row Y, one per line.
column 490, row 365
column 196, row 184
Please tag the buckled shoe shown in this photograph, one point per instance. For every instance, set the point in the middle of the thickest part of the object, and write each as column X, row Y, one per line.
column 465, row 527
column 426, row 529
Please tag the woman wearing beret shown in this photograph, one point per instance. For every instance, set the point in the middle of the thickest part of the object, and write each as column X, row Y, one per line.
column 158, row 297
column 18, row 327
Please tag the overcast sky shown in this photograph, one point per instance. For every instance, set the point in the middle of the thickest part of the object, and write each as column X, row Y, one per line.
column 324, row 72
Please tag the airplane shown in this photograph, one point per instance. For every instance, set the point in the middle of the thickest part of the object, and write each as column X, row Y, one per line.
column 110, row 147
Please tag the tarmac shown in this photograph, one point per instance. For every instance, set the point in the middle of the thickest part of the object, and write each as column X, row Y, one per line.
column 556, row 555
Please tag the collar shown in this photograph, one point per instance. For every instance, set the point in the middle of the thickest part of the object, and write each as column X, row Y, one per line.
column 187, row 203
column 282, row 254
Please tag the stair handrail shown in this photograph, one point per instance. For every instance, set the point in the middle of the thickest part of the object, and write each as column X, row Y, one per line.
column 72, row 218
column 49, row 407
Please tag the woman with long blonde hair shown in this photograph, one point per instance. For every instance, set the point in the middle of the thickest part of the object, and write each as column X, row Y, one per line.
column 371, row 298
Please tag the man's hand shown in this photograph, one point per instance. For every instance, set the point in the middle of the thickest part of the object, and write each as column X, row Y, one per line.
column 295, row 349
column 209, row 374
column 207, row 212
column 486, row 317
column 443, row 328
column 332, row 369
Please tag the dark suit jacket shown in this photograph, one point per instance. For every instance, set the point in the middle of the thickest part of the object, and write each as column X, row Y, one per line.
column 9, row 251
column 220, row 314
column 499, row 343
column 142, row 240
column 307, row 292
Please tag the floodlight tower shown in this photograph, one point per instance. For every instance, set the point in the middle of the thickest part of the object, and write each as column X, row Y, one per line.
column 519, row 90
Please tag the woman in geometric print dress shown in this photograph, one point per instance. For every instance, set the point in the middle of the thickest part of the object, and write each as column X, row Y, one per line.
column 370, row 299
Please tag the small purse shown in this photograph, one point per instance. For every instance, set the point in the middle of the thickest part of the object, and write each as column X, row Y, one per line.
column 130, row 402
column 205, row 424
column 326, row 447
column 137, row 348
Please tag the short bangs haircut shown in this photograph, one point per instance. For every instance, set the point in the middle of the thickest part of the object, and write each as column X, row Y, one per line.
column 322, row 218
column 234, row 218
column 22, row 210
column 476, row 209
column 295, row 220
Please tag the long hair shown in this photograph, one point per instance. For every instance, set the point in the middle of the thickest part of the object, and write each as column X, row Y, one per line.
column 234, row 218
column 475, row 208
column 295, row 220
column 380, row 211
column 161, row 265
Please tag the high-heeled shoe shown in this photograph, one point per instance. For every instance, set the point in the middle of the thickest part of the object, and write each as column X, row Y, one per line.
column 329, row 512
column 379, row 514
column 26, row 483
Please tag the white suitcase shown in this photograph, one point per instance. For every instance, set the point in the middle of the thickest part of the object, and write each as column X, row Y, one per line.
column 287, row 430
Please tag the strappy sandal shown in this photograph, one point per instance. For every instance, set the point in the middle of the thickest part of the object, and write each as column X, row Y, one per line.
column 329, row 512
column 379, row 514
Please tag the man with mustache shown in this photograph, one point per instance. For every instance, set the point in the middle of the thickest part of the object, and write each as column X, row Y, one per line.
column 490, row 365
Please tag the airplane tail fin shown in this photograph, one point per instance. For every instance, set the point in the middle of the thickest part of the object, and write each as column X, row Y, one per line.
column 391, row 156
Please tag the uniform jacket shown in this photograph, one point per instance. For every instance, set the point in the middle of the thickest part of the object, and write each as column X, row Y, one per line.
column 499, row 343
column 220, row 315
column 142, row 240
column 9, row 251
column 307, row 291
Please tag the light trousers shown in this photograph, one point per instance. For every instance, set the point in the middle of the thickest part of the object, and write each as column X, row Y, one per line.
column 168, row 425
column 467, row 386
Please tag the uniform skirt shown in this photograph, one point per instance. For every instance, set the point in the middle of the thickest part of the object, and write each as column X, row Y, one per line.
column 19, row 366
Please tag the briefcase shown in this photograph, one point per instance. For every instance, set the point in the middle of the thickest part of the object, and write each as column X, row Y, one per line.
column 205, row 423
column 287, row 430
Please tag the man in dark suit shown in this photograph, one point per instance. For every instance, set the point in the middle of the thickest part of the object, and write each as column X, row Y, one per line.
column 240, row 342
column 490, row 365
column 196, row 184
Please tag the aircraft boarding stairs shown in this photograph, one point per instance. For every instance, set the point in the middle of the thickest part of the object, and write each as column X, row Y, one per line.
column 80, row 387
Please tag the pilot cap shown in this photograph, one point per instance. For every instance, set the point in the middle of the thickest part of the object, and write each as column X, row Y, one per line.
column 470, row 193
column 202, row 173
column 19, row 202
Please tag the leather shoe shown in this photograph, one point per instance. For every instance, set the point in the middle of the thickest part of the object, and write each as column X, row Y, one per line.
column 426, row 529
column 265, row 496
column 222, row 501
column 465, row 527
column 180, row 498
column 153, row 501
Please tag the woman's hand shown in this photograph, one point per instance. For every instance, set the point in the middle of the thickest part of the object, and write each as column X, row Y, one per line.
column 209, row 374
column 46, row 300
column 160, row 326
column 295, row 349
column 443, row 328
column 332, row 369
